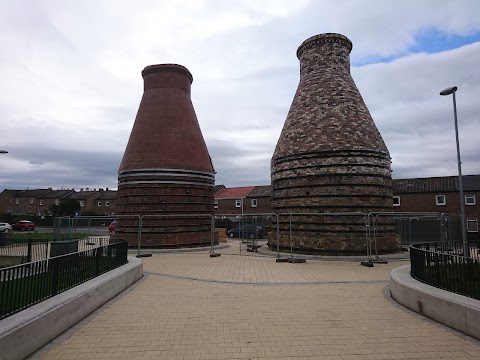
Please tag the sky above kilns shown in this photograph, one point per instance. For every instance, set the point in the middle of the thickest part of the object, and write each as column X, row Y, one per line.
column 71, row 80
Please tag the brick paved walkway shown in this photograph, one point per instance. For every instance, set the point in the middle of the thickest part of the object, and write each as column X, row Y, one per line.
column 191, row 306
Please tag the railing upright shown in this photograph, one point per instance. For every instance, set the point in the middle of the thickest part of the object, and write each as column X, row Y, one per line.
column 444, row 265
column 53, row 269
column 27, row 284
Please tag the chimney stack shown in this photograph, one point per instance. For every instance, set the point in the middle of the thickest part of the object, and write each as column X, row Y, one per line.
column 330, row 158
column 166, row 176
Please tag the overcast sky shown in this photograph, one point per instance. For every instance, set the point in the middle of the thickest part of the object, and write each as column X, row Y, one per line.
column 71, row 80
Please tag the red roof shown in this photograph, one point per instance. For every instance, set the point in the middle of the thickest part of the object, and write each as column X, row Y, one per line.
column 236, row 192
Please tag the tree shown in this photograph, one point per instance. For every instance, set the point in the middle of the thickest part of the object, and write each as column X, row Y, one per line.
column 54, row 210
column 68, row 207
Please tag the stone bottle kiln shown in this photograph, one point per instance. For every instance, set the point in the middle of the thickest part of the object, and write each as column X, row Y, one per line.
column 166, row 175
column 330, row 157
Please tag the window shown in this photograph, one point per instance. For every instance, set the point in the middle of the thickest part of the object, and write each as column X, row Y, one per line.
column 82, row 203
column 396, row 201
column 107, row 203
column 16, row 201
column 31, row 200
column 254, row 202
column 99, row 204
column 470, row 200
column 11, row 201
column 440, row 200
column 41, row 202
column 57, row 202
column 238, row 203
column 472, row 225
column 215, row 204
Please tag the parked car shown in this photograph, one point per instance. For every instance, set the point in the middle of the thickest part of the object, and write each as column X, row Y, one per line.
column 246, row 231
column 113, row 226
column 5, row 227
column 24, row 225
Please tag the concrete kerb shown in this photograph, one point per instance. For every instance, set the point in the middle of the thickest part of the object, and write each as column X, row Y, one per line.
column 23, row 333
column 264, row 250
column 456, row 311
column 178, row 250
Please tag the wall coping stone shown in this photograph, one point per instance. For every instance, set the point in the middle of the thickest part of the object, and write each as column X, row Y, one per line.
column 25, row 332
column 453, row 310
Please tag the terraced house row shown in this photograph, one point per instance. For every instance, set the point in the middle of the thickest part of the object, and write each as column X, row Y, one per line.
column 435, row 194
column 37, row 201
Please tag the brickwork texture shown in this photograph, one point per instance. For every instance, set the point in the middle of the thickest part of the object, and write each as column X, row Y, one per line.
column 330, row 157
column 166, row 175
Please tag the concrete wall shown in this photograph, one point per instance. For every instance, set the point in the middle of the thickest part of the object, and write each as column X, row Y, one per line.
column 456, row 311
column 27, row 331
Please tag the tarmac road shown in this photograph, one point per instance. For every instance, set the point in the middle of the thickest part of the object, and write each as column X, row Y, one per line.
column 94, row 230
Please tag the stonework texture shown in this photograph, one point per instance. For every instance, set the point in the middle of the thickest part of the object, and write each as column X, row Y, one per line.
column 330, row 157
column 166, row 178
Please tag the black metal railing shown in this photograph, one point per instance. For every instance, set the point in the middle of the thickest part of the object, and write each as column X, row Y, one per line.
column 23, row 250
column 27, row 284
column 451, row 265
column 27, row 248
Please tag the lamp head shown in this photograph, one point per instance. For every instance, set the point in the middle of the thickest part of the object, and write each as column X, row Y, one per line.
column 449, row 91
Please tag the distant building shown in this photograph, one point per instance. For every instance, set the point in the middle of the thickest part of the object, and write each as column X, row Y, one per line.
column 233, row 200
column 105, row 203
column 441, row 195
column 21, row 201
column 36, row 202
column 52, row 197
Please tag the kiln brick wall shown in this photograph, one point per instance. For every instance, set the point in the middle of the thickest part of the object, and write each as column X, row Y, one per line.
column 330, row 156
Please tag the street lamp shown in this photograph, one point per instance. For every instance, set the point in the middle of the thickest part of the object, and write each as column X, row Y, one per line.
column 3, row 152
column 453, row 90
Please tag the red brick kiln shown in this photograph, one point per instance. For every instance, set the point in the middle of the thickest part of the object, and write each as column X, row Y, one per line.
column 330, row 157
column 166, row 176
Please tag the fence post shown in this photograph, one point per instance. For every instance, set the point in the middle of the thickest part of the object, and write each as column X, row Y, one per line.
column 98, row 253
column 139, row 239
column 212, row 236
column 55, row 274
column 29, row 250
column 278, row 237
column 291, row 240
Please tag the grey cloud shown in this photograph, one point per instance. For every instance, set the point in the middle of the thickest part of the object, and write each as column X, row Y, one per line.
column 71, row 83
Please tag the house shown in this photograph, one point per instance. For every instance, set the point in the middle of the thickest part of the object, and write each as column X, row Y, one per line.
column 20, row 202
column 259, row 200
column 440, row 195
column 232, row 201
column 106, row 202
column 52, row 197
column 86, row 198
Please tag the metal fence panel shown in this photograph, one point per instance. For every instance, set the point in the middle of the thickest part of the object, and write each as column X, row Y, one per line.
column 24, row 285
column 445, row 265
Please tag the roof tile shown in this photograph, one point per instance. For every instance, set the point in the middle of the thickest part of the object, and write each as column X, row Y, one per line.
column 435, row 184
column 236, row 192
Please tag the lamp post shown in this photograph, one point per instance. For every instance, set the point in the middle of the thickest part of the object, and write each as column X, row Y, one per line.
column 448, row 91
column 3, row 151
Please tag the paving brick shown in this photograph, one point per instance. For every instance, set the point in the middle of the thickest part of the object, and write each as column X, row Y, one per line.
column 191, row 306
